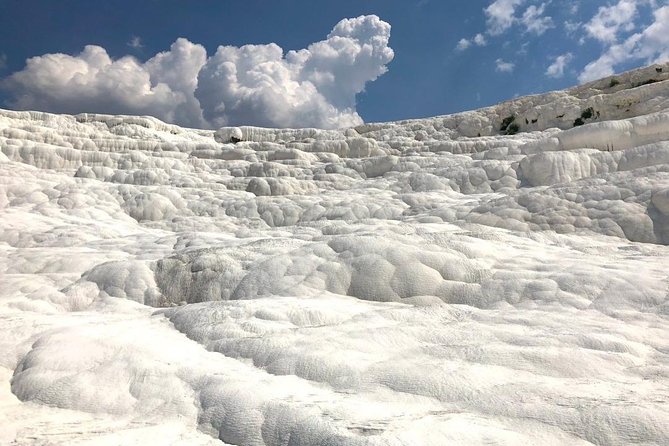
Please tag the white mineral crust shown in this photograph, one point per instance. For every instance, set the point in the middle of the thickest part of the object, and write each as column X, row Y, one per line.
column 433, row 281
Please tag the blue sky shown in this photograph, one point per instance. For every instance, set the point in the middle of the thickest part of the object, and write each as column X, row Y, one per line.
column 437, row 57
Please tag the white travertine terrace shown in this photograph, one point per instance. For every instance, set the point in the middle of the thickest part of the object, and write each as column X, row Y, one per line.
column 496, row 276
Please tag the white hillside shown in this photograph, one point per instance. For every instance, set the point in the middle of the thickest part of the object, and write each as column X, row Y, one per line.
column 498, row 275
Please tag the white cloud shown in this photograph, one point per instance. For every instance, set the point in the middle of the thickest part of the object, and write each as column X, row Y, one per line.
column 604, row 65
column 571, row 27
column 655, row 42
column 609, row 20
column 479, row 40
column 500, row 15
column 463, row 44
column 504, row 67
column 254, row 84
column 179, row 69
column 315, row 86
column 650, row 45
column 522, row 51
column 135, row 43
column 535, row 21
column 556, row 69
column 91, row 81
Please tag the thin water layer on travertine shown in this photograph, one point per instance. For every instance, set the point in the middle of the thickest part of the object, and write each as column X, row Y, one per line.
column 430, row 281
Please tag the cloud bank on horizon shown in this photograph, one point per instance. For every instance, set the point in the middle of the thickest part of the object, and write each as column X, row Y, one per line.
column 627, row 30
column 252, row 84
column 514, row 47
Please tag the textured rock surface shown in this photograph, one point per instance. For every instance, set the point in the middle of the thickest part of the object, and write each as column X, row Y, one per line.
column 435, row 281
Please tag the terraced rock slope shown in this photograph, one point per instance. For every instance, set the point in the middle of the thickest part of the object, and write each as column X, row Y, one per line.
column 497, row 276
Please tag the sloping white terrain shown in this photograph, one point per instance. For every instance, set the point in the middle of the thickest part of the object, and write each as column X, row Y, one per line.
column 492, row 277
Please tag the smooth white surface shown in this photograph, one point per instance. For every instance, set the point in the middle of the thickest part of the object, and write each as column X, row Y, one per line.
column 393, row 283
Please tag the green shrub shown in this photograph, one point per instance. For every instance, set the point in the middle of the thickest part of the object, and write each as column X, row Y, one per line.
column 512, row 129
column 587, row 113
column 648, row 82
column 613, row 82
column 578, row 122
column 506, row 122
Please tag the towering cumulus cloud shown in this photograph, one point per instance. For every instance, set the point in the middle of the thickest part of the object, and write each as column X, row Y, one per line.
column 315, row 86
column 254, row 84
column 92, row 82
